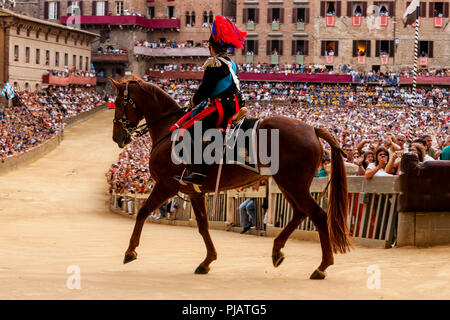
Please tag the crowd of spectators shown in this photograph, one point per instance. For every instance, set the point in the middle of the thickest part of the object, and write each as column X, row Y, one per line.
column 170, row 44
column 365, row 120
column 36, row 117
column 73, row 72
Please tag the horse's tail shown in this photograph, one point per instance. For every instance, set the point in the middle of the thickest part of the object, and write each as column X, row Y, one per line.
column 338, row 201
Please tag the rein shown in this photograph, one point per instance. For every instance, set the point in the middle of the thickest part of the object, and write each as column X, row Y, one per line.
column 138, row 131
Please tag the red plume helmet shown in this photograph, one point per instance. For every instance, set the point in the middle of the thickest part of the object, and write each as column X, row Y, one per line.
column 225, row 32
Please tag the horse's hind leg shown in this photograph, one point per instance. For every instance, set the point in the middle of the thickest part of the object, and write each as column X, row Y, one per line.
column 199, row 206
column 280, row 240
column 153, row 202
column 319, row 218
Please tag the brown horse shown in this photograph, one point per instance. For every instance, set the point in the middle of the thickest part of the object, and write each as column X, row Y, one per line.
column 300, row 153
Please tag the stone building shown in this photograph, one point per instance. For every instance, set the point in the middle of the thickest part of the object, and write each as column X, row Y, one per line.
column 30, row 47
column 365, row 34
column 122, row 23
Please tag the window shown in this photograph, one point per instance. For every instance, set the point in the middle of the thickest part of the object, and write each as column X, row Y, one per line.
column 38, row 56
column 192, row 18
column 384, row 48
column 27, row 54
column 47, row 57
column 300, row 47
column 205, row 17
column 16, row 53
column 361, row 48
column 300, row 15
column 426, row 49
column 275, row 15
column 356, row 9
column 151, row 12
column 74, row 61
column 330, row 8
column 119, row 8
column 423, row 8
column 438, row 10
column 330, row 48
column 100, row 8
column 81, row 63
column 387, row 8
column 274, row 47
column 57, row 59
column 18, row 31
column 53, row 10
column 66, row 59
column 87, row 64
column 250, row 47
column 171, row 13
column 188, row 19
column 211, row 17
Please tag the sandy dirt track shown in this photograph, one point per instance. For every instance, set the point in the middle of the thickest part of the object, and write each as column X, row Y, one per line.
column 54, row 214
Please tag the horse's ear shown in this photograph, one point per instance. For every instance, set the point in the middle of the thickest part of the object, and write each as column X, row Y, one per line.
column 115, row 83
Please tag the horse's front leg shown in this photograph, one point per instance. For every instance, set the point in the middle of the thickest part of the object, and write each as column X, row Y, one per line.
column 199, row 206
column 158, row 196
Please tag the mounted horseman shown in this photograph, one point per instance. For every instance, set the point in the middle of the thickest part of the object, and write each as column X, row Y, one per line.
column 218, row 97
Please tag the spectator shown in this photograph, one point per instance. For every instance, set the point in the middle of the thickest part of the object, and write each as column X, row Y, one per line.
column 247, row 209
column 378, row 167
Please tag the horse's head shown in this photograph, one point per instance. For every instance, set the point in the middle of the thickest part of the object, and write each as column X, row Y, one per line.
column 127, row 115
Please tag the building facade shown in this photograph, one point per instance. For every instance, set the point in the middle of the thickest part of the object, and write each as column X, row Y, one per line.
column 369, row 35
column 30, row 47
column 123, row 24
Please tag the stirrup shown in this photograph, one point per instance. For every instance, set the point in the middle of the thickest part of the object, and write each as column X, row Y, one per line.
column 242, row 113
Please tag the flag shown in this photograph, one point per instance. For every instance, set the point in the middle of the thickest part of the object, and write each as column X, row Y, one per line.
column 8, row 91
column 411, row 13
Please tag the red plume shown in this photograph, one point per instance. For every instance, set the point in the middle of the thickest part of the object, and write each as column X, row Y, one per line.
column 224, row 30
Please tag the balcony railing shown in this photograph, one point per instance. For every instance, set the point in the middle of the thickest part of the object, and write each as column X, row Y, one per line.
column 274, row 59
column 71, row 79
column 172, row 52
column 110, row 57
column 127, row 20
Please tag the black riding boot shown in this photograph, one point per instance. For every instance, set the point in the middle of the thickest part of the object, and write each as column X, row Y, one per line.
column 197, row 173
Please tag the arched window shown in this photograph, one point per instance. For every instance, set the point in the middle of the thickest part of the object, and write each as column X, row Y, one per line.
column 205, row 17
column 211, row 17
column 193, row 18
column 188, row 19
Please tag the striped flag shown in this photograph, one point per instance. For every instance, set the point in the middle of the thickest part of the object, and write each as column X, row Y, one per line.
column 8, row 91
column 411, row 13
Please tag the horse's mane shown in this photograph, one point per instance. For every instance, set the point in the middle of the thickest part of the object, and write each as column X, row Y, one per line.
column 152, row 89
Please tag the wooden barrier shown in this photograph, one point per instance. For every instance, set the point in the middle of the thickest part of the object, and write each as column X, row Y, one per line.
column 372, row 216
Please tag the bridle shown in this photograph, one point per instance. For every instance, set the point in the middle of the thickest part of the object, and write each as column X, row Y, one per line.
column 138, row 131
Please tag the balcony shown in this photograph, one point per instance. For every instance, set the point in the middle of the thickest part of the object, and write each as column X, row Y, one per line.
column 172, row 52
column 438, row 22
column 300, row 26
column 384, row 21
column 127, row 20
column 299, row 59
column 110, row 57
column 274, row 59
column 356, row 21
column 330, row 21
column 423, row 61
column 71, row 79
column 250, row 26
column 275, row 26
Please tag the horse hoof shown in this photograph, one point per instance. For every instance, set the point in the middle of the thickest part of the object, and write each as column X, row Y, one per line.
column 129, row 256
column 202, row 270
column 318, row 275
column 277, row 258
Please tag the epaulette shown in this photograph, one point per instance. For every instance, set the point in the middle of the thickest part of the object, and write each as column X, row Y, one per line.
column 212, row 62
